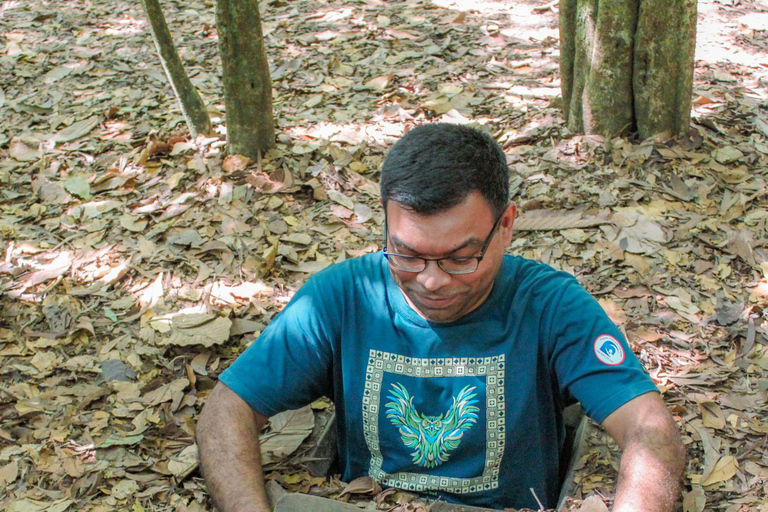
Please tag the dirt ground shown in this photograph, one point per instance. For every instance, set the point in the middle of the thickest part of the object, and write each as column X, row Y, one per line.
column 137, row 263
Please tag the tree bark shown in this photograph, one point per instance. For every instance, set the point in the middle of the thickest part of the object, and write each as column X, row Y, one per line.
column 627, row 65
column 663, row 67
column 247, row 84
column 192, row 105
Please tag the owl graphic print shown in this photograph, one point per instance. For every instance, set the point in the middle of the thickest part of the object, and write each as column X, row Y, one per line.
column 425, row 418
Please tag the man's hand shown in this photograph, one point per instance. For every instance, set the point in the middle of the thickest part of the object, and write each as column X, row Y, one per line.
column 228, row 440
column 653, row 456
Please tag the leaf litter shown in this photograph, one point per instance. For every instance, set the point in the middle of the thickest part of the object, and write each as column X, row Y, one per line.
column 137, row 263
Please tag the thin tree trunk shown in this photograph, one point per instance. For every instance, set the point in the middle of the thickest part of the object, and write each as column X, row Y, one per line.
column 192, row 105
column 247, row 84
column 627, row 65
column 571, row 109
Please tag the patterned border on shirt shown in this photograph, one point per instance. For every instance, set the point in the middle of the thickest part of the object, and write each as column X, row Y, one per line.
column 492, row 368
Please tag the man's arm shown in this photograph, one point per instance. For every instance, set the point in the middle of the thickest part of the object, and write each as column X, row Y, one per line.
column 228, row 441
column 653, row 456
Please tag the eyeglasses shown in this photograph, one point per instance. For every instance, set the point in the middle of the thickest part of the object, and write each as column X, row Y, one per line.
column 449, row 265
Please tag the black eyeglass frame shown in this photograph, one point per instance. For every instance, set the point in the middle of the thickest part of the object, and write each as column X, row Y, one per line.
column 439, row 261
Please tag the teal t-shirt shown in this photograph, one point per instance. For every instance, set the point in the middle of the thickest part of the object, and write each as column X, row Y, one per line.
column 468, row 411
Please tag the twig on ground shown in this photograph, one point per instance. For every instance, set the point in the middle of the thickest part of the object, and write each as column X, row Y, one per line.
column 541, row 506
column 547, row 7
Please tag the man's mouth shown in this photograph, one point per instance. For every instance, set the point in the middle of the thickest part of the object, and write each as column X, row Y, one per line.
column 436, row 302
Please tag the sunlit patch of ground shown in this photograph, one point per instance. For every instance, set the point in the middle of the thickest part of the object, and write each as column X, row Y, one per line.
column 745, row 24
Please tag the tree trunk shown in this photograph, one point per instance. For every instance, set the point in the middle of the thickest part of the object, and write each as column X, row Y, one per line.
column 192, row 105
column 247, row 84
column 663, row 68
column 627, row 65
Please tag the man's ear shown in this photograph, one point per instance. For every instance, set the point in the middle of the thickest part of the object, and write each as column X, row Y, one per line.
column 507, row 223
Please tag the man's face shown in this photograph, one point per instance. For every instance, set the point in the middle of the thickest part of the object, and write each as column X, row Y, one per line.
column 458, row 232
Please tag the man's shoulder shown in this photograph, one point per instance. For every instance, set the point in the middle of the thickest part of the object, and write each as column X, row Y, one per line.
column 535, row 287
column 523, row 272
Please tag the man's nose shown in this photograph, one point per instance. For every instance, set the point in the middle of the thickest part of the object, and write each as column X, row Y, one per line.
column 433, row 277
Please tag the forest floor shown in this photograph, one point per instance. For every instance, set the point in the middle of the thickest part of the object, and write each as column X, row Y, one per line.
column 138, row 263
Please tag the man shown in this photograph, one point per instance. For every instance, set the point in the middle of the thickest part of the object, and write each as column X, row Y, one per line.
column 449, row 362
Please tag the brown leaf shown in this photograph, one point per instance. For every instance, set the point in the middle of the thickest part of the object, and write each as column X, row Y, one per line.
column 57, row 267
column 157, row 147
column 647, row 336
column 401, row 34
column 593, row 504
column 206, row 334
column 133, row 223
column 695, row 501
column 76, row 130
column 308, row 267
column 9, row 473
column 165, row 393
column 341, row 199
column 379, row 83
column 614, row 311
column 724, row 470
column 703, row 100
column 243, row 326
column 287, row 431
column 185, row 462
column 362, row 485
column 547, row 220
column 740, row 242
column 711, row 413
column 236, row 163
column 23, row 152
column 199, row 362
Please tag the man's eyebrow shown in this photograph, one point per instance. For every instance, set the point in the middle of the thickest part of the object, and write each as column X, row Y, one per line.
column 470, row 241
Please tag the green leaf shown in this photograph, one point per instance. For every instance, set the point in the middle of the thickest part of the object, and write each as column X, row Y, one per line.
column 77, row 186
column 118, row 440
column 110, row 314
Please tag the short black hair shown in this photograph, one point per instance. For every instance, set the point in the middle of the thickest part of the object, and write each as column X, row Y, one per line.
column 434, row 167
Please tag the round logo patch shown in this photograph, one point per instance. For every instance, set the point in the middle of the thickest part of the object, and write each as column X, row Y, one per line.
column 608, row 350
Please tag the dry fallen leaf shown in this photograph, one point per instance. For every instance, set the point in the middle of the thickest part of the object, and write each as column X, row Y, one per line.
column 180, row 465
column 76, row 130
column 362, row 485
column 724, row 470
column 198, row 329
column 593, row 504
column 9, row 473
column 77, row 186
column 695, row 501
column 379, row 83
column 133, row 223
column 340, row 198
column 550, row 220
column 711, row 413
column 25, row 152
column 287, row 431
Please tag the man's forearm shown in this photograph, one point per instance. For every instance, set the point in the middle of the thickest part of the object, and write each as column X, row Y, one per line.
column 228, row 441
column 649, row 477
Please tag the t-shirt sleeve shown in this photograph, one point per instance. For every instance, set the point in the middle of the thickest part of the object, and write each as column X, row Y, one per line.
column 592, row 360
column 290, row 364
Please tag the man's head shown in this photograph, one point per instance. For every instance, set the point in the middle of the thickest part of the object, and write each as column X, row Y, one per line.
column 445, row 191
column 435, row 166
